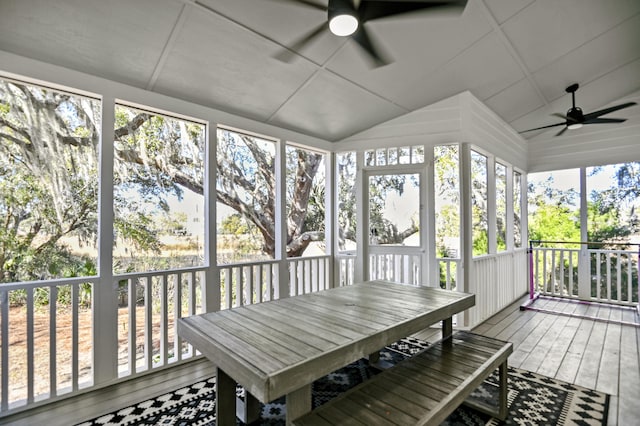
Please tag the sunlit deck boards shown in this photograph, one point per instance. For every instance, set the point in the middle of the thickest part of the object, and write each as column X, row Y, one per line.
column 585, row 352
column 595, row 354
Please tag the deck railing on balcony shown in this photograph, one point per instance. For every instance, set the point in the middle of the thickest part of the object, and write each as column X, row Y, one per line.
column 602, row 275
column 45, row 332
column 49, row 325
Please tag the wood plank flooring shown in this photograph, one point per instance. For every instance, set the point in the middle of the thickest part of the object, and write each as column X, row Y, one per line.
column 596, row 354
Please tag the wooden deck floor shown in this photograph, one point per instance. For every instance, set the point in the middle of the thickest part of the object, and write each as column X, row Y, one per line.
column 597, row 354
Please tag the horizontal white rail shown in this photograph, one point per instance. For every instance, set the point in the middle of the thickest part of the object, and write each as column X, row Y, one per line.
column 611, row 275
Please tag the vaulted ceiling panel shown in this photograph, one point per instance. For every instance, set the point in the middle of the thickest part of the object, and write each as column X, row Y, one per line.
column 337, row 107
column 281, row 21
column 219, row 63
column 593, row 59
column 515, row 101
column 484, row 70
column 548, row 29
column 112, row 39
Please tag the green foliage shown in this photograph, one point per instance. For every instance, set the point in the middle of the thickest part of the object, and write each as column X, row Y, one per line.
column 554, row 223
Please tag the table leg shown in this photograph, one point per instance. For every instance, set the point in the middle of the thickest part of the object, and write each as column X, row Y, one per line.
column 298, row 403
column 225, row 399
column 447, row 327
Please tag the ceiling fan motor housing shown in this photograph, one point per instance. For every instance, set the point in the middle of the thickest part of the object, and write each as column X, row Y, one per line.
column 575, row 115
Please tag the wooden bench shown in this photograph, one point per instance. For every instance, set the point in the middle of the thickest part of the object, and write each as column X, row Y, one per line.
column 423, row 389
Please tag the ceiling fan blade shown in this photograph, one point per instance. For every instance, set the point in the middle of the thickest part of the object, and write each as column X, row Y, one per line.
column 544, row 127
column 287, row 54
column 375, row 9
column 564, row 117
column 375, row 52
column 309, row 3
column 596, row 114
column 561, row 131
column 605, row 120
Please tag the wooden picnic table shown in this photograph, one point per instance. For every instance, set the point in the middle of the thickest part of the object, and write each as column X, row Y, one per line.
column 280, row 347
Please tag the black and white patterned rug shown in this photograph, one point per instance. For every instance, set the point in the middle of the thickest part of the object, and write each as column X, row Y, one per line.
column 533, row 399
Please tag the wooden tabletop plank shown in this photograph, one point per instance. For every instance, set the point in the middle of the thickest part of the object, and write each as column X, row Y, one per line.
column 305, row 325
column 233, row 346
column 324, row 316
column 348, row 314
column 289, row 329
column 372, row 307
column 271, row 340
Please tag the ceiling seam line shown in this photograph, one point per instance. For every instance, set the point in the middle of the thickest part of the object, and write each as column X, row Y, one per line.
column 306, row 83
column 497, row 29
column 171, row 41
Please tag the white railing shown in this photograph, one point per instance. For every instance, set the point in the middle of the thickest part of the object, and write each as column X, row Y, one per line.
column 556, row 271
column 248, row 283
column 345, row 269
column 450, row 272
column 42, row 331
column 309, row 274
column 47, row 328
column 149, row 305
column 610, row 276
column 396, row 267
column 496, row 280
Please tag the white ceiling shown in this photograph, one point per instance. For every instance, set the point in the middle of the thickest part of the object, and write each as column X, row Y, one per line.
column 517, row 56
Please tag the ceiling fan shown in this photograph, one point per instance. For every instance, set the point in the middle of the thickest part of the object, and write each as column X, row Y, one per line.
column 347, row 18
column 575, row 118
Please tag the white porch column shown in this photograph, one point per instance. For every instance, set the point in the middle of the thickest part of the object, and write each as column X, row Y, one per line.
column 491, row 205
column 466, row 222
column 331, row 217
column 211, row 284
column 282, row 289
column 431, row 267
column 105, row 300
column 361, row 269
column 509, row 222
column 584, row 267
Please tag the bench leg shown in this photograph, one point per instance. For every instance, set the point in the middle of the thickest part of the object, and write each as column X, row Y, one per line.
column 248, row 410
column 499, row 411
column 503, row 391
